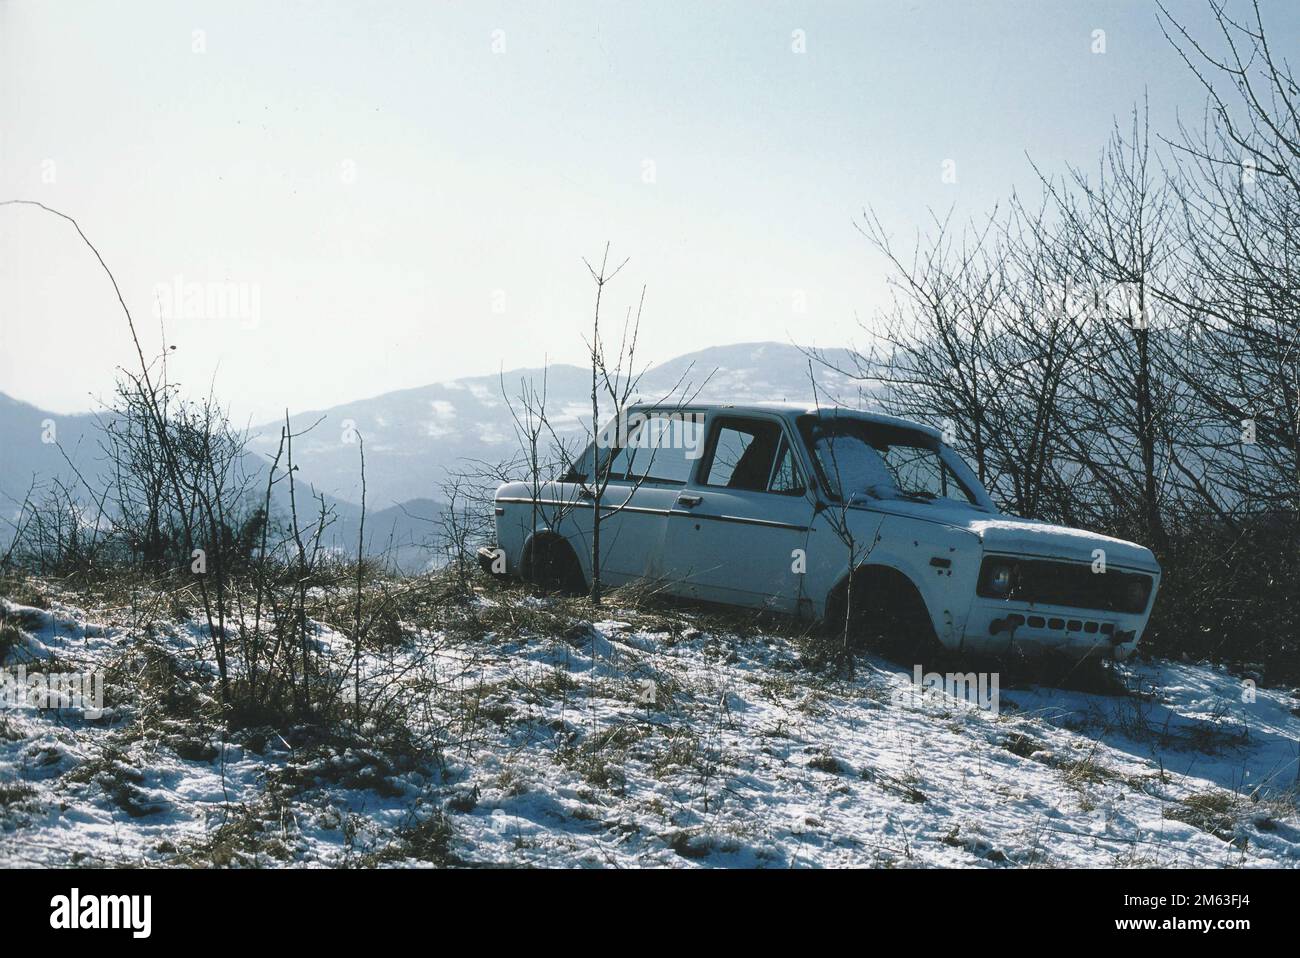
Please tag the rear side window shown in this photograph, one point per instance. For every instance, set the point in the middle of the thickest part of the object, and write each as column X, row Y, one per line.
column 752, row 454
column 659, row 449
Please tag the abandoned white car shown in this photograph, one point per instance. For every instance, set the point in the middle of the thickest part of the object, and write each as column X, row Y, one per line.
column 800, row 510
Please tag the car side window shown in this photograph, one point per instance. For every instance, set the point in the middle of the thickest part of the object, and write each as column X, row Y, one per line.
column 922, row 471
column 659, row 449
column 744, row 455
column 786, row 478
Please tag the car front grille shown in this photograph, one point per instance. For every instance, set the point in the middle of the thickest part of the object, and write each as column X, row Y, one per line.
column 1070, row 584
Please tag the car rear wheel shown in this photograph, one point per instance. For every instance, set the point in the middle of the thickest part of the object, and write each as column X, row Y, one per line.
column 551, row 565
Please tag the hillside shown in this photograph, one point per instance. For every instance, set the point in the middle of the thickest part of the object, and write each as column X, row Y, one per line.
column 526, row 733
column 26, row 462
column 26, row 455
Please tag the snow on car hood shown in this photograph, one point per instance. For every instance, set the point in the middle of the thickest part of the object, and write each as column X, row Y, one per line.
column 1032, row 537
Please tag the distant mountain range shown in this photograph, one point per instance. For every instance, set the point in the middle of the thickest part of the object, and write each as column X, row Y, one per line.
column 30, row 442
column 414, row 436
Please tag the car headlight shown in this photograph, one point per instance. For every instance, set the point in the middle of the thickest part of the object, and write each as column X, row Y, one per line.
column 999, row 578
column 1138, row 593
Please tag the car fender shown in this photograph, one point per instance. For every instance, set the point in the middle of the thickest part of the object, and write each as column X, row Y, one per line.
column 555, row 510
column 940, row 560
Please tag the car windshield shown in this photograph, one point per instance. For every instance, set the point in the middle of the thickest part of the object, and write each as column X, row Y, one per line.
column 858, row 458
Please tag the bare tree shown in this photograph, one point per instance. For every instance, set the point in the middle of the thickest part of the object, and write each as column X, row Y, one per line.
column 618, row 388
column 1239, row 187
column 1127, row 406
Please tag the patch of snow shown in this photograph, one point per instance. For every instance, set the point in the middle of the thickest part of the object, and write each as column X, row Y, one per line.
column 614, row 744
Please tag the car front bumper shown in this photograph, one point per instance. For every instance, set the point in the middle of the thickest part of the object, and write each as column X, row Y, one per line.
column 1000, row 627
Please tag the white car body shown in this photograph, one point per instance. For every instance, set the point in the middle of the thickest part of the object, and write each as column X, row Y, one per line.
column 673, row 523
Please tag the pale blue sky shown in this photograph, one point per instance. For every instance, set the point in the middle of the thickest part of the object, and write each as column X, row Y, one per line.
column 400, row 203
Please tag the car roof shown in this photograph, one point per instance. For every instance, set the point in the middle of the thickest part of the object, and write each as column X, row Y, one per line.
column 787, row 410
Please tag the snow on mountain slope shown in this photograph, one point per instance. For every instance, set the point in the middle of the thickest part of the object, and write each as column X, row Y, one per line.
column 552, row 756
column 413, row 435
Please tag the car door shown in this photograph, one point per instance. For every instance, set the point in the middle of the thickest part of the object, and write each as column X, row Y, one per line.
column 737, row 532
column 646, row 473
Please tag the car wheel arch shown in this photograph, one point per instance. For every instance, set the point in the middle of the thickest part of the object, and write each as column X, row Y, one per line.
column 904, row 597
column 868, row 572
column 550, row 539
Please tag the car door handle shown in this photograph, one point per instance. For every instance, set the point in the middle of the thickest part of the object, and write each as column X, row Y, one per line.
column 688, row 500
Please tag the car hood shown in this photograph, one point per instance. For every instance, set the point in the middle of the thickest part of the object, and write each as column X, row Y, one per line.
column 1031, row 537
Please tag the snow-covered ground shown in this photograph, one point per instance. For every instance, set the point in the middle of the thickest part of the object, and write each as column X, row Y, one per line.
column 550, row 753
